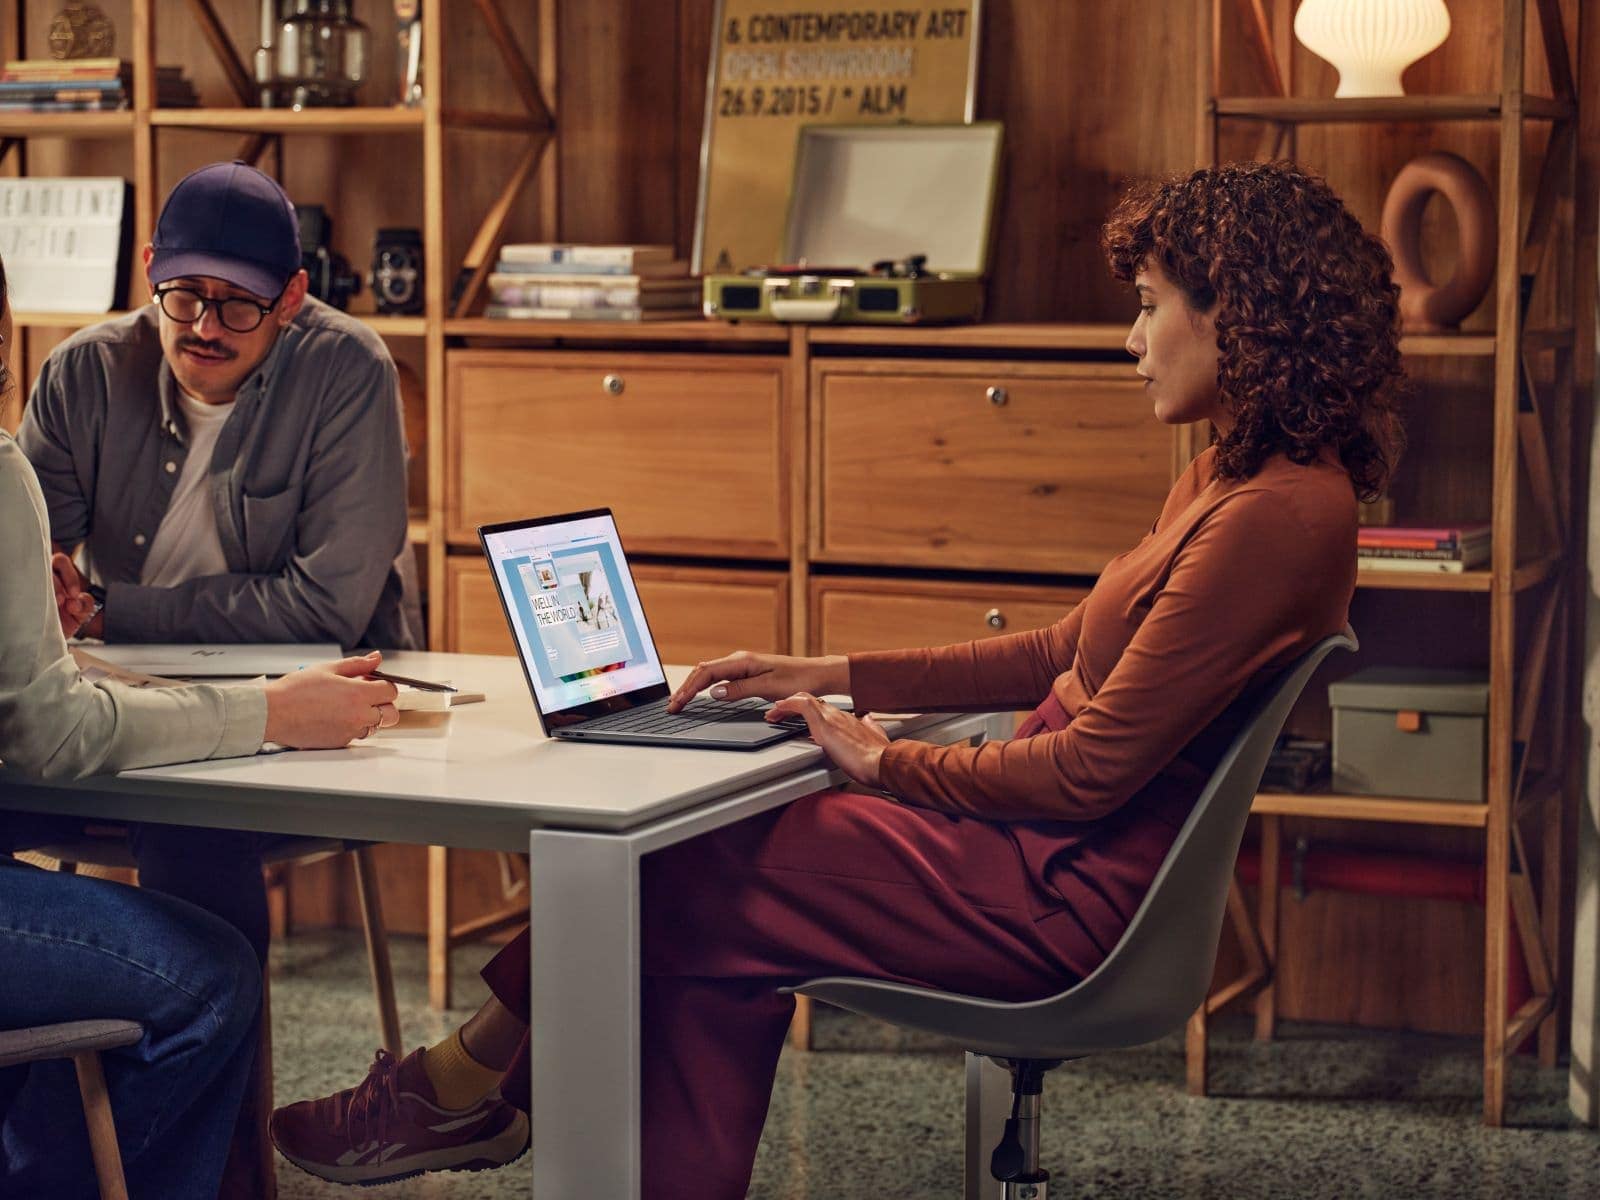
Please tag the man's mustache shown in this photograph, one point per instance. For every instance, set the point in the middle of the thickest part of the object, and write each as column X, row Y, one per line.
column 206, row 347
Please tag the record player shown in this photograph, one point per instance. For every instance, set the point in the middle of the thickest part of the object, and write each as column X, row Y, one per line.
column 900, row 214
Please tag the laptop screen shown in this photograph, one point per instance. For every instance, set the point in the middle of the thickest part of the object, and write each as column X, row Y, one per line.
column 575, row 614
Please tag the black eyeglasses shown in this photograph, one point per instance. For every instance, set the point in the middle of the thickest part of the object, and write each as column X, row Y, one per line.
column 186, row 306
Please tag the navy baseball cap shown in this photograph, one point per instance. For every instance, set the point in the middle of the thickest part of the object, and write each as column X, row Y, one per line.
column 228, row 221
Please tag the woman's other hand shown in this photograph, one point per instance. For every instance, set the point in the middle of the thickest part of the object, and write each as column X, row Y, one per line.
column 855, row 744
column 329, row 705
column 767, row 676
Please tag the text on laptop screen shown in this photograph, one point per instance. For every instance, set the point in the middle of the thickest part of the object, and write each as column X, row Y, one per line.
column 576, row 615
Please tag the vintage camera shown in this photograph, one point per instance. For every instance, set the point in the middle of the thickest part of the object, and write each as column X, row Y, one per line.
column 332, row 280
column 396, row 279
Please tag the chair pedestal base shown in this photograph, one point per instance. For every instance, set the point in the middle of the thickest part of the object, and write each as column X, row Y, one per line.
column 1027, row 1189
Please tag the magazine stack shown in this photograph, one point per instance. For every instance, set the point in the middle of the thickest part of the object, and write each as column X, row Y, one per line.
column 84, row 85
column 550, row 282
column 1451, row 549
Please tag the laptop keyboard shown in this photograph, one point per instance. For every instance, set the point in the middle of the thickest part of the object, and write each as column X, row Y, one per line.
column 654, row 717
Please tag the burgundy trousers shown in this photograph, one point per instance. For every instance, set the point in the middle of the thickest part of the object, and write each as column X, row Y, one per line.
column 834, row 884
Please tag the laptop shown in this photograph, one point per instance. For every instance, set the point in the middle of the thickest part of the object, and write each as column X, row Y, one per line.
column 585, row 645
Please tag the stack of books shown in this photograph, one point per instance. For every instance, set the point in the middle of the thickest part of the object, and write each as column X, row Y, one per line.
column 548, row 282
column 84, row 85
column 1451, row 549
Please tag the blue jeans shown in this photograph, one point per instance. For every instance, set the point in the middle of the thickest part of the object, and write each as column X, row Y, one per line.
column 73, row 949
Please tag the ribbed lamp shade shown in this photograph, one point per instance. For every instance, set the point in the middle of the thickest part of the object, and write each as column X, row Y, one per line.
column 1371, row 41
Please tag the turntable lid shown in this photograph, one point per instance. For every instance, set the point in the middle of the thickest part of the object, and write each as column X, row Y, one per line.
column 869, row 192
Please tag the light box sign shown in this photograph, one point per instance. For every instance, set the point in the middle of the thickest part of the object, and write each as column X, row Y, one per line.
column 64, row 243
column 776, row 68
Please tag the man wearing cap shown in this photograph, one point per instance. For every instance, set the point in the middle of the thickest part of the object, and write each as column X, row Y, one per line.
column 228, row 459
column 228, row 464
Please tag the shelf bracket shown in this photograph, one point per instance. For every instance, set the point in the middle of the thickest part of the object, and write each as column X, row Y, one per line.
column 1555, row 48
column 516, row 63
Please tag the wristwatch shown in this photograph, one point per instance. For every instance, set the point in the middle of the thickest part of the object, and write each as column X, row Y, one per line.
column 98, row 595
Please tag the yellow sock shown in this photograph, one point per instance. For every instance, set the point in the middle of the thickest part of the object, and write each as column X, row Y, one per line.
column 459, row 1080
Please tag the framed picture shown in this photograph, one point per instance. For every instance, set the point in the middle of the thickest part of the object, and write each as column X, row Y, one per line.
column 774, row 70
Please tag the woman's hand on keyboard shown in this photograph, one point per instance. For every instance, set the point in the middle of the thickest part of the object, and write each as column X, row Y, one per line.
column 743, row 674
column 854, row 743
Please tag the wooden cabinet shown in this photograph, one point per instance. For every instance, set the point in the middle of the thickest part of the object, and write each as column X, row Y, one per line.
column 693, row 612
column 1009, row 466
column 686, row 449
column 850, row 614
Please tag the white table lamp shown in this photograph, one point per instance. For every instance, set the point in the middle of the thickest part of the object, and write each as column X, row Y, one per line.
column 1371, row 42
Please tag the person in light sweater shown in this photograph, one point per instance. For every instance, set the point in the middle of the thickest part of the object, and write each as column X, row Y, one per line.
column 1007, row 870
column 75, row 948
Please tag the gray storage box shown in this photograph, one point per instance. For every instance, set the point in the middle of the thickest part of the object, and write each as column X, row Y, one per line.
column 1405, row 731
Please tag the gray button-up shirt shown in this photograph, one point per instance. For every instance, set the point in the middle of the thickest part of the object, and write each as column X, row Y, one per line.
column 307, row 480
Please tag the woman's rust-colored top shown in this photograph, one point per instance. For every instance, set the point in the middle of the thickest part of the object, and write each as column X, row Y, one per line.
column 1153, row 674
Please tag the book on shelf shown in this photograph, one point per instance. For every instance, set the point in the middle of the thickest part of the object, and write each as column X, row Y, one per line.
column 618, row 273
column 1450, row 549
column 1423, row 537
column 65, row 103
column 1421, row 566
column 1470, row 556
column 522, row 312
column 630, row 256
column 85, row 85
column 521, row 290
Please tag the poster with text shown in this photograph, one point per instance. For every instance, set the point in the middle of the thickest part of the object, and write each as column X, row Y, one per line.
column 776, row 67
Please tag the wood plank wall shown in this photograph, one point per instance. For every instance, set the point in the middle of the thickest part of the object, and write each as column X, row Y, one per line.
column 1092, row 94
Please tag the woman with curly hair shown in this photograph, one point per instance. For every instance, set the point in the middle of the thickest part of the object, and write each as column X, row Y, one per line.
column 1010, row 869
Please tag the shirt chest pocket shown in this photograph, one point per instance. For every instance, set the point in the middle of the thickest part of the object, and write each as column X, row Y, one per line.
column 269, row 525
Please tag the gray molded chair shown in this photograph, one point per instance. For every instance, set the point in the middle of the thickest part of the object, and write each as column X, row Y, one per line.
column 1153, row 979
column 82, row 1041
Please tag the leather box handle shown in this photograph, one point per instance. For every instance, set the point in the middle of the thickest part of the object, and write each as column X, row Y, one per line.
column 1408, row 721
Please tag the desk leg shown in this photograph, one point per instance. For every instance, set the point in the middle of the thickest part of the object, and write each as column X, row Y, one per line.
column 583, row 899
column 988, row 1105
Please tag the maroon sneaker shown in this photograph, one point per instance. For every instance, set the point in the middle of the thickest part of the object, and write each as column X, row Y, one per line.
column 390, row 1126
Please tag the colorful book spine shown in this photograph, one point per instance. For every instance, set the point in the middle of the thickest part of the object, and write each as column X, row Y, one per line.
column 1425, row 566
column 518, row 312
column 612, row 273
column 51, row 106
column 610, row 256
column 568, row 296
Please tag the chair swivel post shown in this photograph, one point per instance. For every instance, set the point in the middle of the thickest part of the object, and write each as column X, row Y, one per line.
column 1015, row 1161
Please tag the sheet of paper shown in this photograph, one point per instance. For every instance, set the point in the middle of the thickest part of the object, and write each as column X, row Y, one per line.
column 214, row 661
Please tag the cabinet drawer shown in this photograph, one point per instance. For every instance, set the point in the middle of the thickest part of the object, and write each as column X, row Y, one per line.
column 693, row 613
column 852, row 614
column 688, row 450
column 1025, row 467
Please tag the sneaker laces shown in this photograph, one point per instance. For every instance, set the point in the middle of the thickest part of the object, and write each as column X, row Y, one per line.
column 374, row 1098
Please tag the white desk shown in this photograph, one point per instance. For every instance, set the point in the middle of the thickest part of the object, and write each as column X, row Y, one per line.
column 586, row 814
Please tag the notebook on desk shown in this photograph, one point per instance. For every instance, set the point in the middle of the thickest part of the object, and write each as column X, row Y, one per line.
column 585, row 646
column 242, row 661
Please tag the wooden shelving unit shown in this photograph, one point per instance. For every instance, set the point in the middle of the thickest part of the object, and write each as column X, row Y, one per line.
column 1530, row 661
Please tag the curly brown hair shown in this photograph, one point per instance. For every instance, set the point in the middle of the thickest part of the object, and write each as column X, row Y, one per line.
column 1307, row 310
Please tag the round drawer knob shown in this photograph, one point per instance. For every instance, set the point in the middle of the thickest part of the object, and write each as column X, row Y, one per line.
column 997, row 396
column 994, row 619
column 613, row 385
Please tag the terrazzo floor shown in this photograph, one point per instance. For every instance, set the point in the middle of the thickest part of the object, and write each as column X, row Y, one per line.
column 875, row 1114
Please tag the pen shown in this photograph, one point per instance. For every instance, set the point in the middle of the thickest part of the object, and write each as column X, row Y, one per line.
column 420, row 684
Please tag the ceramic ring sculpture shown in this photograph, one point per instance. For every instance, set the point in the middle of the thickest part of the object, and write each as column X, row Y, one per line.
column 1426, row 306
